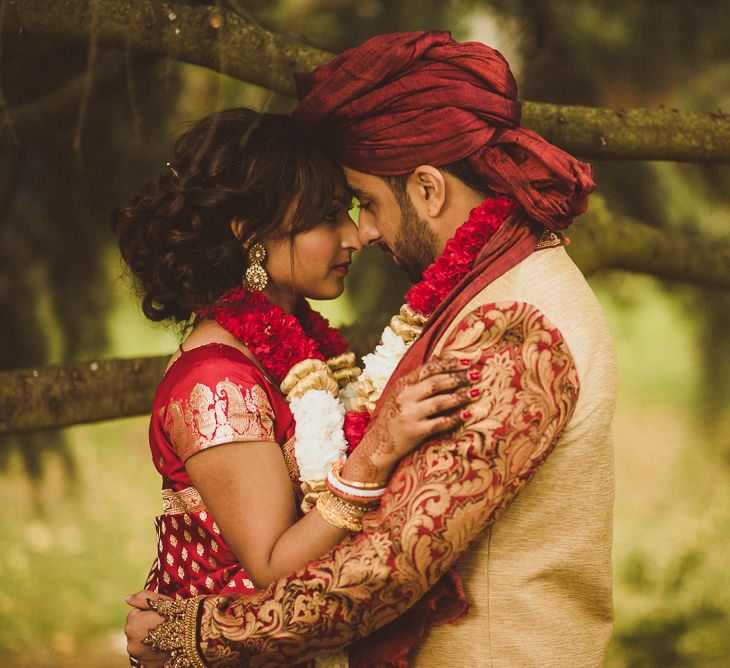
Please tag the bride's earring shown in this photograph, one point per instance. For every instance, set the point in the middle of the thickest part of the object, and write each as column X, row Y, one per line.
column 256, row 277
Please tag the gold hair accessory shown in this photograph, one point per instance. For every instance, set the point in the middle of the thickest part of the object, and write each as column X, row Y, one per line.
column 177, row 635
column 173, row 172
column 256, row 276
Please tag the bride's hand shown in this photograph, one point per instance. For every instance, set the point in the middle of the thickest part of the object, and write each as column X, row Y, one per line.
column 430, row 400
column 140, row 621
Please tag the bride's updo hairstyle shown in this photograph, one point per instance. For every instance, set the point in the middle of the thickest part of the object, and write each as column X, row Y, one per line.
column 176, row 236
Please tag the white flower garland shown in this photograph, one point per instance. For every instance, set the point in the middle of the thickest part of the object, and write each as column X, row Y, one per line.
column 319, row 411
column 319, row 435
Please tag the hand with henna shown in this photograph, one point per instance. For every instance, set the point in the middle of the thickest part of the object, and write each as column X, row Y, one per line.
column 427, row 402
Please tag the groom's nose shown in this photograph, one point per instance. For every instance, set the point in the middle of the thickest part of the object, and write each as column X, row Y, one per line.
column 367, row 232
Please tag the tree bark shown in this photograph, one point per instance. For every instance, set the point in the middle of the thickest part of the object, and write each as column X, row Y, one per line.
column 633, row 134
column 59, row 396
column 227, row 42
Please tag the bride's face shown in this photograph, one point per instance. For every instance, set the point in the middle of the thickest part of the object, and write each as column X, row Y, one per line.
column 315, row 262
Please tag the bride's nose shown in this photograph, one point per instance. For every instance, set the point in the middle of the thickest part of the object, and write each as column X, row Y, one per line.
column 350, row 238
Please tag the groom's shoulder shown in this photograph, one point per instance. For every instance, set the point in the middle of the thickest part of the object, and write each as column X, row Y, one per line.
column 545, row 296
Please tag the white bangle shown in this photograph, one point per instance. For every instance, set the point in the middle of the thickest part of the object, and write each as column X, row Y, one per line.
column 336, row 484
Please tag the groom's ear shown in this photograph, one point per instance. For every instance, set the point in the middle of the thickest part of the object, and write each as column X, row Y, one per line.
column 428, row 190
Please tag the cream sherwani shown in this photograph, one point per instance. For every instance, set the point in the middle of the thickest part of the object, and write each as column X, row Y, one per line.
column 539, row 581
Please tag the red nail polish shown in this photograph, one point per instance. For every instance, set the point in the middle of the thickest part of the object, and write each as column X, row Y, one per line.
column 465, row 362
column 474, row 375
column 475, row 392
column 466, row 414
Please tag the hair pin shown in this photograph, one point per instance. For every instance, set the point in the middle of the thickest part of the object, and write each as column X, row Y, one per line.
column 173, row 171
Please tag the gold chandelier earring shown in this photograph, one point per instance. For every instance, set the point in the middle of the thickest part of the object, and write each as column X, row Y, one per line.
column 256, row 277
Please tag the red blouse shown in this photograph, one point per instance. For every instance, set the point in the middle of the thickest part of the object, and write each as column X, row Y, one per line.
column 211, row 395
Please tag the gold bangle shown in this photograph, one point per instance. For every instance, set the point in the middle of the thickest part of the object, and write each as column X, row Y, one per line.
column 340, row 513
column 177, row 635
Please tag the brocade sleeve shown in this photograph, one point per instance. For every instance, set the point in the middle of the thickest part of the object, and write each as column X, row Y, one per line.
column 216, row 403
column 438, row 501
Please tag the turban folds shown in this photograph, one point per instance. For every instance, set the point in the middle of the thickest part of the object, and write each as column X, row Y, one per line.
column 406, row 99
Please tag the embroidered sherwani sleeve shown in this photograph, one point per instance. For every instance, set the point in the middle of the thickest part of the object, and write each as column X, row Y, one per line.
column 440, row 498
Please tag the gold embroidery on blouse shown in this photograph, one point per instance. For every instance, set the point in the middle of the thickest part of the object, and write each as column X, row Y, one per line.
column 209, row 417
column 290, row 460
column 187, row 500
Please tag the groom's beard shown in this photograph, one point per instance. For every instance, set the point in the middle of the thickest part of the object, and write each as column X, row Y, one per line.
column 415, row 245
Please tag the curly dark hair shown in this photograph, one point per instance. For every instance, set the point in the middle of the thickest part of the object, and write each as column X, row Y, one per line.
column 176, row 236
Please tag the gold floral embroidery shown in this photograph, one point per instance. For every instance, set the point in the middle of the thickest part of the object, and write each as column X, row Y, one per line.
column 438, row 501
column 226, row 414
column 187, row 500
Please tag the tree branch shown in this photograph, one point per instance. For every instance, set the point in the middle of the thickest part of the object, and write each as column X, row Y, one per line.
column 213, row 37
column 633, row 134
column 230, row 42
column 604, row 240
column 59, row 396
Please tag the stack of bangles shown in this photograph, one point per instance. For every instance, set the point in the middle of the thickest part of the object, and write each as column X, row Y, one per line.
column 345, row 502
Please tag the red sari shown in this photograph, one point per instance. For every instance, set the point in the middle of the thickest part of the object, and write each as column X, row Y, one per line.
column 211, row 395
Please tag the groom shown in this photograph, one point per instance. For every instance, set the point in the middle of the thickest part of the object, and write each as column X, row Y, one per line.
column 426, row 130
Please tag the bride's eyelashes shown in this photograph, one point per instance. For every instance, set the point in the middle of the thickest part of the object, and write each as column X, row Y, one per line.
column 333, row 215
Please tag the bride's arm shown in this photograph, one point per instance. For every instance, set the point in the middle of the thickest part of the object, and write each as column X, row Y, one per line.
column 248, row 490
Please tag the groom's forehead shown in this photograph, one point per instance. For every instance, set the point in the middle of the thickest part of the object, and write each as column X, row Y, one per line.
column 363, row 184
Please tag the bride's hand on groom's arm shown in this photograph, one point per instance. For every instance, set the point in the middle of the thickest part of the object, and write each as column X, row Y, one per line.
column 428, row 401
column 140, row 621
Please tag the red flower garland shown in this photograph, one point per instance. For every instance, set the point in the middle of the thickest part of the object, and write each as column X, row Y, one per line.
column 277, row 339
column 443, row 275
column 356, row 422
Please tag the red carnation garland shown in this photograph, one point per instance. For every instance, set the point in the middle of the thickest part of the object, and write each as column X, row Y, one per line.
column 443, row 275
column 277, row 339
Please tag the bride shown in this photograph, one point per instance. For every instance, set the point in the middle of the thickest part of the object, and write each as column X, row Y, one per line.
column 249, row 431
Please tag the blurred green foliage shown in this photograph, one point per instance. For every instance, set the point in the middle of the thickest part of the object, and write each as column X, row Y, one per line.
column 80, row 534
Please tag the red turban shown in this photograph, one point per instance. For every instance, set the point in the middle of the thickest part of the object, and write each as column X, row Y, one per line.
column 406, row 99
